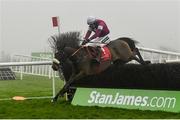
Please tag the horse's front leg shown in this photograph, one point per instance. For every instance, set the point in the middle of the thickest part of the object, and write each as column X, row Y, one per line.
column 63, row 90
column 67, row 85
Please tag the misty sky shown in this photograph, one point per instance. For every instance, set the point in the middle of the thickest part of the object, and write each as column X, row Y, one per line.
column 26, row 24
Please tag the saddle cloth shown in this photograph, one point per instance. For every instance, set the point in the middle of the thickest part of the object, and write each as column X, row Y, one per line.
column 105, row 54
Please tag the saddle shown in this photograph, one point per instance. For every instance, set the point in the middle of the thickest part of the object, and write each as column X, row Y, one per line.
column 94, row 51
column 100, row 53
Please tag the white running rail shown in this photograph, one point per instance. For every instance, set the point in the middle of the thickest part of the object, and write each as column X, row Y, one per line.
column 158, row 56
column 31, row 64
column 41, row 70
column 42, row 66
column 155, row 56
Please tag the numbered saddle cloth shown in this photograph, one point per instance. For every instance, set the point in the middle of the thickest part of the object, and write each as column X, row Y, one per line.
column 105, row 54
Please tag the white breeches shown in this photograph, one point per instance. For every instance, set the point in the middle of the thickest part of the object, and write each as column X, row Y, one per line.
column 100, row 41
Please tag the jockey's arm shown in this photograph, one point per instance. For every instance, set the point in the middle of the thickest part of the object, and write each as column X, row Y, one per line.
column 86, row 38
column 97, row 33
column 88, row 33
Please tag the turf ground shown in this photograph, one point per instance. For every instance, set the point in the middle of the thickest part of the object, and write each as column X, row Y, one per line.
column 29, row 86
column 32, row 86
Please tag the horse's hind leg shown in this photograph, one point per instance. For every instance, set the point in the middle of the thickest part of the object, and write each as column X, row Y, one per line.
column 140, row 57
column 137, row 59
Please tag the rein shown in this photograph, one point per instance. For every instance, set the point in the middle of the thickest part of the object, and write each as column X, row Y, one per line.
column 80, row 49
column 58, row 62
column 77, row 51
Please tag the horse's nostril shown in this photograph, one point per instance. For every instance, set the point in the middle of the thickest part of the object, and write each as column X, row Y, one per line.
column 54, row 68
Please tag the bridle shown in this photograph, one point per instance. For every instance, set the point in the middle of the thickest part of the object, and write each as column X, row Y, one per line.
column 55, row 60
column 75, row 52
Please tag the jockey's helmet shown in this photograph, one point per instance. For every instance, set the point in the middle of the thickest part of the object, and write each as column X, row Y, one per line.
column 91, row 20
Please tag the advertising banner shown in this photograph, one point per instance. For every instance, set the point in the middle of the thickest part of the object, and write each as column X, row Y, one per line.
column 128, row 98
column 46, row 55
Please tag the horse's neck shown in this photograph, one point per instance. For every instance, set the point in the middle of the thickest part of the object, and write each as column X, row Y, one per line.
column 69, row 50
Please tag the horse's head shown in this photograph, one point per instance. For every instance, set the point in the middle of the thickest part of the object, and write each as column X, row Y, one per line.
column 58, row 56
column 62, row 56
column 63, row 46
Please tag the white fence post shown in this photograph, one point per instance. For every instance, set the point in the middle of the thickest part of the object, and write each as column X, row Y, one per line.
column 21, row 74
column 53, row 83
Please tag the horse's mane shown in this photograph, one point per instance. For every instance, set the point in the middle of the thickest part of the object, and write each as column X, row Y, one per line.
column 67, row 39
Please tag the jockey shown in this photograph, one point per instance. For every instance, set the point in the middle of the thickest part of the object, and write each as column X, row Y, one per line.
column 100, row 37
column 100, row 29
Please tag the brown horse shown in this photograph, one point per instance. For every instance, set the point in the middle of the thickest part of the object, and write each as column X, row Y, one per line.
column 69, row 52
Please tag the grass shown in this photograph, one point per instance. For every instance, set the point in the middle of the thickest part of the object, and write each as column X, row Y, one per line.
column 28, row 87
column 44, row 109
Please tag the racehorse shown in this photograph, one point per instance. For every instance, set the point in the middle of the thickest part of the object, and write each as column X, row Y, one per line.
column 76, row 61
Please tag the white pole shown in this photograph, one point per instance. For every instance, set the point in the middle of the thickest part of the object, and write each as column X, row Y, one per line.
column 50, row 72
column 53, row 83
column 21, row 72
column 58, row 20
column 1, row 31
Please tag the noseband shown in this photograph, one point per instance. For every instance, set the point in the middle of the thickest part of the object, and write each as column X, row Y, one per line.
column 56, row 61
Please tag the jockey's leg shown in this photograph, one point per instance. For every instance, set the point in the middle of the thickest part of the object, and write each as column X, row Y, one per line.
column 98, row 43
column 92, row 43
column 95, row 43
column 104, row 39
column 98, row 56
column 102, row 42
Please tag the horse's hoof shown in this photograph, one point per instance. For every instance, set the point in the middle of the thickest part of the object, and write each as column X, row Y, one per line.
column 147, row 62
column 54, row 100
column 61, row 95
